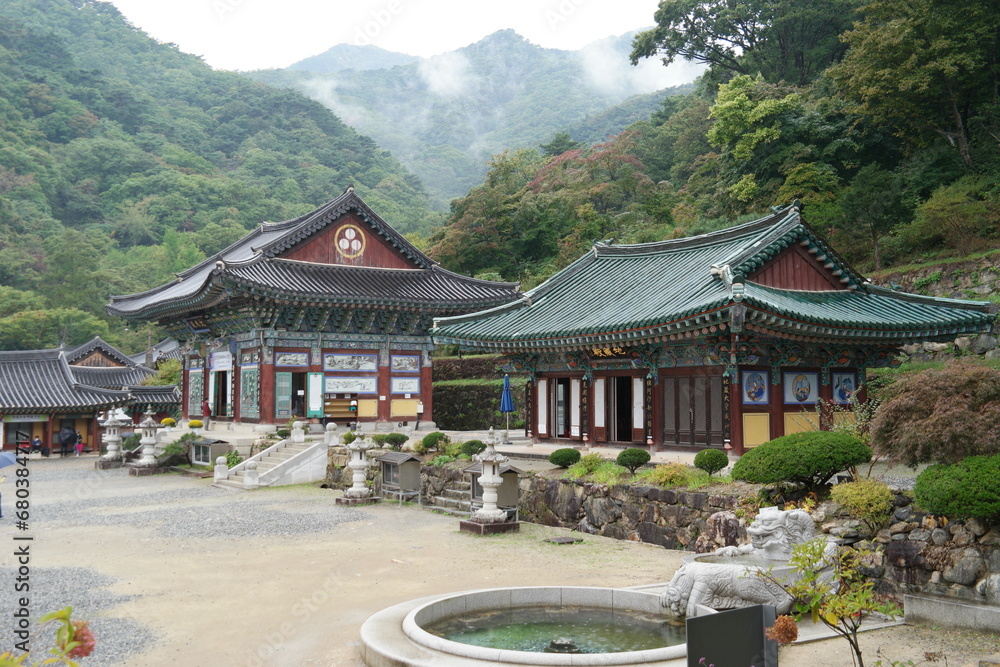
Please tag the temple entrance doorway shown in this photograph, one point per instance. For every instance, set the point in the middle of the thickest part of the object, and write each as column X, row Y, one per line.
column 619, row 409
column 692, row 410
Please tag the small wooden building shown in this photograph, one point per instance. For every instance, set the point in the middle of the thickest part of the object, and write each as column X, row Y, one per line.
column 728, row 339
column 312, row 317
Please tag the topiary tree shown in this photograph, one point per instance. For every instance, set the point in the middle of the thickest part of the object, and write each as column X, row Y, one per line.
column 970, row 488
column 435, row 441
column 711, row 460
column 470, row 447
column 565, row 457
column 349, row 437
column 940, row 415
column 632, row 458
column 395, row 441
column 808, row 459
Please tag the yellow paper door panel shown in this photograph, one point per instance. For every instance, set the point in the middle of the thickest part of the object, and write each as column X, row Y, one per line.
column 367, row 408
column 756, row 428
column 403, row 407
column 797, row 422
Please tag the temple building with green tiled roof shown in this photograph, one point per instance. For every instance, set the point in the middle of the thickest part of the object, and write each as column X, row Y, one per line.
column 325, row 316
column 727, row 339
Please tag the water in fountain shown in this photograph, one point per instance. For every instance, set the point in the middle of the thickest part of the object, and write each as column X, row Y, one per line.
column 561, row 630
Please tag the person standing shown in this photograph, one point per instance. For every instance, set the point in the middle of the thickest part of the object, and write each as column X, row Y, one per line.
column 78, row 444
column 67, row 438
column 206, row 414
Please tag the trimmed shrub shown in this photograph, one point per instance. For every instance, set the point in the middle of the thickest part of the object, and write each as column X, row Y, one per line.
column 565, row 457
column 441, row 459
column 632, row 458
column 808, row 459
column 867, row 499
column 711, row 460
column 348, row 438
column 471, row 447
column 435, row 441
column 970, row 488
column 131, row 442
column 379, row 439
column 396, row 441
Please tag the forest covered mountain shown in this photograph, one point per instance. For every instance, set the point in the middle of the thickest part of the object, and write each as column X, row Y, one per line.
column 443, row 117
column 883, row 119
column 123, row 161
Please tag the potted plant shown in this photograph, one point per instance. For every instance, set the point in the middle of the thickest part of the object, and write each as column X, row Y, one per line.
column 195, row 425
column 168, row 423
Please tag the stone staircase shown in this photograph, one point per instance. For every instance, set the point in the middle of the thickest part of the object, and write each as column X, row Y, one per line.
column 266, row 461
column 455, row 499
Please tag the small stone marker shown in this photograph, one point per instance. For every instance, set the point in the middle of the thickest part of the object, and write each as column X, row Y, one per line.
column 563, row 540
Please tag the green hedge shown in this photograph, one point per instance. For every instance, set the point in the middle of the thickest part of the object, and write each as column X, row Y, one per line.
column 470, row 405
column 485, row 366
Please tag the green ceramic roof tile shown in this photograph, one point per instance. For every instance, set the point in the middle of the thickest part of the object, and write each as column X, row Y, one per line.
column 622, row 290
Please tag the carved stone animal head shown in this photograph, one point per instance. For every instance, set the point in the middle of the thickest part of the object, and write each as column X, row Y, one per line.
column 775, row 532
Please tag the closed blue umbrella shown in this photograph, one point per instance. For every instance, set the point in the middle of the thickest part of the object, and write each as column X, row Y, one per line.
column 507, row 403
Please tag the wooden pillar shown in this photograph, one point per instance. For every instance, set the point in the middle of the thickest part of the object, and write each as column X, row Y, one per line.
column 427, row 392
column 266, row 397
column 731, row 397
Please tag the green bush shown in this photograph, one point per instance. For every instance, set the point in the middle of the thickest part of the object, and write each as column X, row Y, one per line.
column 131, row 442
column 174, row 449
column 471, row 447
column 867, row 499
column 632, row 458
column 441, row 459
column 396, row 441
column 970, row 488
column 587, row 465
column 349, row 437
column 379, row 439
column 436, row 441
column 233, row 458
column 711, row 460
column 671, row 475
column 474, row 404
column 808, row 459
column 283, row 433
column 565, row 457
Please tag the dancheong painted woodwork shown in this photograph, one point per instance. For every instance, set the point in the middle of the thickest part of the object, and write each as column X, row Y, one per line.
column 326, row 316
column 727, row 339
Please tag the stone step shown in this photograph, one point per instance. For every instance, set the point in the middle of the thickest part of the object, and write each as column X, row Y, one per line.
column 452, row 503
column 464, row 514
column 457, row 494
column 229, row 484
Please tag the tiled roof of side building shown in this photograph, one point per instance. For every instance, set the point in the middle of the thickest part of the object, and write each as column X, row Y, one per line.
column 96, row 343
column 116, row 377
column 156, row 396
column 41, row 381
column 630, row 292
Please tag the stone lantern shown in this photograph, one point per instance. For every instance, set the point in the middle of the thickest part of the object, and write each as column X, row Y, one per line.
column 358, row 494
column 112, row 436
column 148, row 442
column 489, row 518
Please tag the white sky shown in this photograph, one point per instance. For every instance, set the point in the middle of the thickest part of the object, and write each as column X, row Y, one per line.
column 259, row 34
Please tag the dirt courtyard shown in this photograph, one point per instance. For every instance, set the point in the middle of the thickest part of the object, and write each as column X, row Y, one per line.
column 172, row 571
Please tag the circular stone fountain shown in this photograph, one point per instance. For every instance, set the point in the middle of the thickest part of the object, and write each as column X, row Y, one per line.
column 399, row 635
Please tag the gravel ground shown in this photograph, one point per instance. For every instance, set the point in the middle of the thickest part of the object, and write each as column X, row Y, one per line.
column 86, row 591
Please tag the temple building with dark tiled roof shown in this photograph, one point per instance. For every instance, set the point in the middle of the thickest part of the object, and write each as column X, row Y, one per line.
column 40, row 394
column 43, row 390
column 728, row 339
column 326, row 316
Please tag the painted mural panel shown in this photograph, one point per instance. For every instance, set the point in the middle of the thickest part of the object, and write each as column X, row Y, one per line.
column 755, row 387
column 801, row 388
column 350, row 362
column 250, row 392
column 351, row 385
column 404, row 363
column 196, row 392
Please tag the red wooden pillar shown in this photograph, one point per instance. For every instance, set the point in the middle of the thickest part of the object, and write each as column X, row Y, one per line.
column 266, row 392
column 732, row 392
